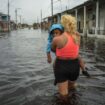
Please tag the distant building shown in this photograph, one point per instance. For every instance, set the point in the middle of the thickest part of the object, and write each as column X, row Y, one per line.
column 4, row 22
column 12, row 25
column 90, row 17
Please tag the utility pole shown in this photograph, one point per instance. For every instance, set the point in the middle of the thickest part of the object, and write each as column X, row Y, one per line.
column 52, row 12
column 20, row 18
column 8, row 17
column 20, row 21
column 66, row 8
column 41, row 19
column 60, row 4
column 68, row 4
column 37, row 22
column 16, row 17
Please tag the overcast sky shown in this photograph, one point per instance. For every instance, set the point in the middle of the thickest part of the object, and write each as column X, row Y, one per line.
column 31, row 9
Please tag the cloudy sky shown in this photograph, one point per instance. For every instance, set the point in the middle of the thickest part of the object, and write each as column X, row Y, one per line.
column 31, row 9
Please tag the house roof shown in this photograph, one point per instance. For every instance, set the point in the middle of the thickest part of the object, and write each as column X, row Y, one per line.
column 2, row 14
column 79, row 4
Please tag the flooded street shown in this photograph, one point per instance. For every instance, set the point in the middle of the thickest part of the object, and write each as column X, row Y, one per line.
column 27, row 79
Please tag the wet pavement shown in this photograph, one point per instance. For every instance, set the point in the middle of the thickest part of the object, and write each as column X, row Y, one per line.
column 27, row 79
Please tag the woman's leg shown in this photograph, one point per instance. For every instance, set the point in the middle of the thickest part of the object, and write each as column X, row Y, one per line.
column 63, row 88
column 54, row 70
column 63, row 91
column 71, row 85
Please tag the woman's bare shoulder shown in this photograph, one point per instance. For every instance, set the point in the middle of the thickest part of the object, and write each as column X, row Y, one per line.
column 59, row 38
column 56, row 39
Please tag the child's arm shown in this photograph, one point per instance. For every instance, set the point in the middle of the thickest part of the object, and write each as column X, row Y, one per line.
column 48, row 49
column 49, row 59
column 49, row 41
column 82, row 63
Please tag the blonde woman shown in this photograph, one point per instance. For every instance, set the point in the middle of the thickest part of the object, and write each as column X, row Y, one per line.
column 67, row 66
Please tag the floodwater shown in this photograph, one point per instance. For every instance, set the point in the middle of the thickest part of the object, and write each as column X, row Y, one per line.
column 27, row 79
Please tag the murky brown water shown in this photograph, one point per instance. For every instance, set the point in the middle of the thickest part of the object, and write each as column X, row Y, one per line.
column 27, row 79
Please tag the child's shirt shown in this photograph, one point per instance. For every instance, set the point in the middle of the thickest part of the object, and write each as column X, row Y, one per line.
column 50, row 38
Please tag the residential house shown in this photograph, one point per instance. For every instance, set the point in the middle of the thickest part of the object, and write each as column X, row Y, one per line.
column 4, row 22
column 90, row 17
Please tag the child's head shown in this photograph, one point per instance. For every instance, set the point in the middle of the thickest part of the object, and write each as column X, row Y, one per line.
column 56, row 30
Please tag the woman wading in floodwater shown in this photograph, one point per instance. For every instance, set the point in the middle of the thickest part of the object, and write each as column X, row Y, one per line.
column 67, row 53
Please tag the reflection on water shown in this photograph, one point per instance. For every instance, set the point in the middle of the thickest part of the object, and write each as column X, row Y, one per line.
column 27, row 79
column 95, row 45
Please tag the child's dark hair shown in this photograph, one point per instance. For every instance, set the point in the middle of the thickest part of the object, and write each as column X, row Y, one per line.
column 57, row 29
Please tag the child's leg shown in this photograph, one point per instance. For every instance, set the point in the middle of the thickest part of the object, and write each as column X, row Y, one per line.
column 82, row 66
column 82, row 63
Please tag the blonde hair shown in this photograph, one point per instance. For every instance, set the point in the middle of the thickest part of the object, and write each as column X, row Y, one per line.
column 70, row 25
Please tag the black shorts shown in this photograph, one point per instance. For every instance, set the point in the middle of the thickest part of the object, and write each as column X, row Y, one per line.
column 66, row 70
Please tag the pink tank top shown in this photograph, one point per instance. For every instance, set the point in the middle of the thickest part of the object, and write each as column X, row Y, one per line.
column 70, row 50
